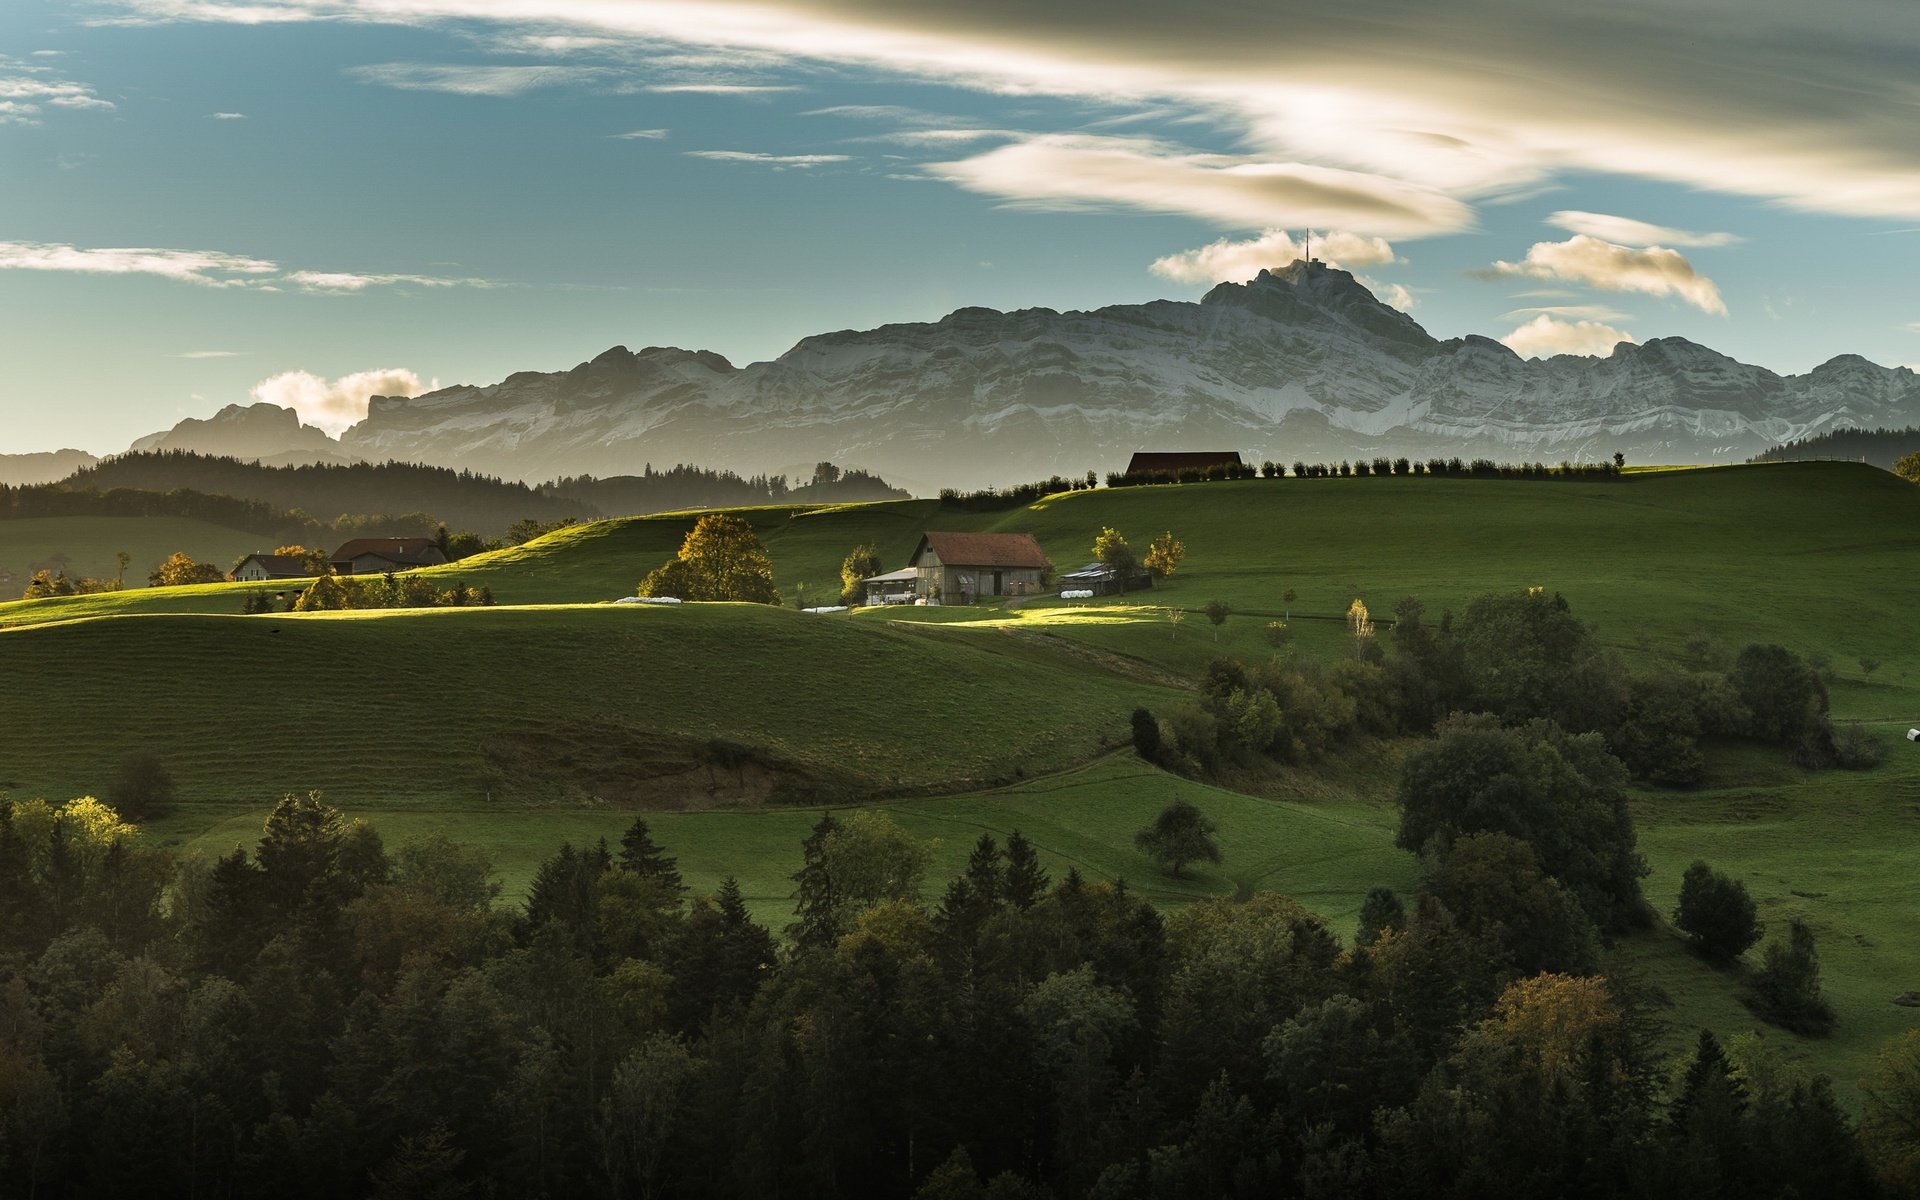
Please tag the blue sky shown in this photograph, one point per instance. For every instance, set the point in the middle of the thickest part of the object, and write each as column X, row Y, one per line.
column 206, row 200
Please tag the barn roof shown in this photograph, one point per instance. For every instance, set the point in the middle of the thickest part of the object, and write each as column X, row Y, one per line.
column 984, row 549
column 1149, row 461
column 400, row 550
column 900, row 576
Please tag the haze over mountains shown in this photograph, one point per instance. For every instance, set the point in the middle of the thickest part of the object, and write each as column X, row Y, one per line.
column 1303, row 362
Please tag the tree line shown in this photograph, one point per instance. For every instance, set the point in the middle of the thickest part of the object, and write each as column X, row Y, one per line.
column 319, row 1015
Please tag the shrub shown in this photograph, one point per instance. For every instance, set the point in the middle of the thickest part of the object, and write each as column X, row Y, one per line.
column 1146, row 735
column 1786, row 992
column 1856, row 749
column 1716, row 914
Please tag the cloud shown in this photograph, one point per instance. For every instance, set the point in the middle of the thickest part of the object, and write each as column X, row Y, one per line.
column 1394, row 295
column 472, row 80
column 209, row 268
column 1079, row 172
column 1912, row 327
column 721, row 89
column 1583, row 312
column 633, row 135
column 207, row 354
column 25, row 97
column 347, row 281
column 777, row 161
column 224, row 116
column 333, row 405
column 1227, row 259
column 1654, row 270
column 1544, row 337
column 1808, row 106
column 939, row 137
column 1629, row 232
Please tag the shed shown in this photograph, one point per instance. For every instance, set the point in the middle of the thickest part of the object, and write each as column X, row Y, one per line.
column 1102, row 580
column 895, row 587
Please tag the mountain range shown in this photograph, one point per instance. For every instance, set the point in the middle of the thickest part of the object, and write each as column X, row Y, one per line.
column 1302, row 362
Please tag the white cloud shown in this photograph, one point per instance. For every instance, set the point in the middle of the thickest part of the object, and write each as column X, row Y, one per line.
column 348, row 281
column 1629, row 232
column 721, row 89
column 635, row 135
column 777, row 161
column 207, row 354
column 1227, row 259
column 939, row 137
column 1078, row 172
column 209, row 268
column 1544, row 337
column 24, row 97
column 1653, row 270
column 226, row 116
column 333, row 405
column 1395, row 295
column 472, row 80
column 1912, row 327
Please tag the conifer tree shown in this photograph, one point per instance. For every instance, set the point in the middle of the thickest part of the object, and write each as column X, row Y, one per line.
column 1026, row 879
column 640, row 855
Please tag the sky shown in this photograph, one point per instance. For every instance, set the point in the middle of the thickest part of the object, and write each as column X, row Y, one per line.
column 207, row 202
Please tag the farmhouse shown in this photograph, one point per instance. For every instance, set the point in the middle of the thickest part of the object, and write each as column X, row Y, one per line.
column 1151, row 462
column 257, row 568
column 376, row 556
column 957, row 568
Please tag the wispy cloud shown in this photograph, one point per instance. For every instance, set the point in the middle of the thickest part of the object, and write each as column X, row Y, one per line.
column 348, row 281
column 334, row 404
column 1544, row 337
column 1653, row 270
column 722, row 89
column 1629, row 232
column 209, row 268
column 940, row 137
column 777, row 161
column 1078, row 172
column 1458, row 98
column 227, row 116
column 25, row 95
column 472, row 80
column 1228, row 259
column 206, row 268
column 207, row 354
column 637, row 135
column 1580, row 312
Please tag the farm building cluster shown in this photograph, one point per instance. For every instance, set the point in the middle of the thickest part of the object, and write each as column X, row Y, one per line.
column 361, row 556
column 960, row 568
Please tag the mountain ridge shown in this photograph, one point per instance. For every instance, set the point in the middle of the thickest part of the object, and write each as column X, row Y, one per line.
column 1299, row 362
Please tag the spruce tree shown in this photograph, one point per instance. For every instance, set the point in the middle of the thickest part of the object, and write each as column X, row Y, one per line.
column 817, row 901
column 640, row 855
column 1025, row 880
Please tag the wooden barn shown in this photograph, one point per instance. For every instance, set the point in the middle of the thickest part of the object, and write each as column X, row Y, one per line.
column 1157, row 462
column 959, row 568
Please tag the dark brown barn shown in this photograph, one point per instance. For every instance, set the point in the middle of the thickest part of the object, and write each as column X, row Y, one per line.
column 1153, row 462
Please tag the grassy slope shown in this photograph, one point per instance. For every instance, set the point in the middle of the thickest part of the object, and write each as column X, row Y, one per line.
column 400, row 708
column 1817, row 556
column 92, row 542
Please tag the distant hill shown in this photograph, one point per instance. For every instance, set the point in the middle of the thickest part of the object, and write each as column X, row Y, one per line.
column 22, row 470
column 252, row 431
column 1877, row 446
column 325, row 491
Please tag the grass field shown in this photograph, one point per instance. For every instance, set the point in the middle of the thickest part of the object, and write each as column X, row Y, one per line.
column 520, row 727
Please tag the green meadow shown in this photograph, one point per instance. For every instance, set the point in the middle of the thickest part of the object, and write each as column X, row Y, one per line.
column 522, row 726
column 92, row 544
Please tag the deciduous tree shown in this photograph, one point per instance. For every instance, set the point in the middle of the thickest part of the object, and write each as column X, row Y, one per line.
column 1179, row 835
column 1164, row 555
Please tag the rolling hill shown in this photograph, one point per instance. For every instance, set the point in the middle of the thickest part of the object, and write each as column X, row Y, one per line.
column 557, row 716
